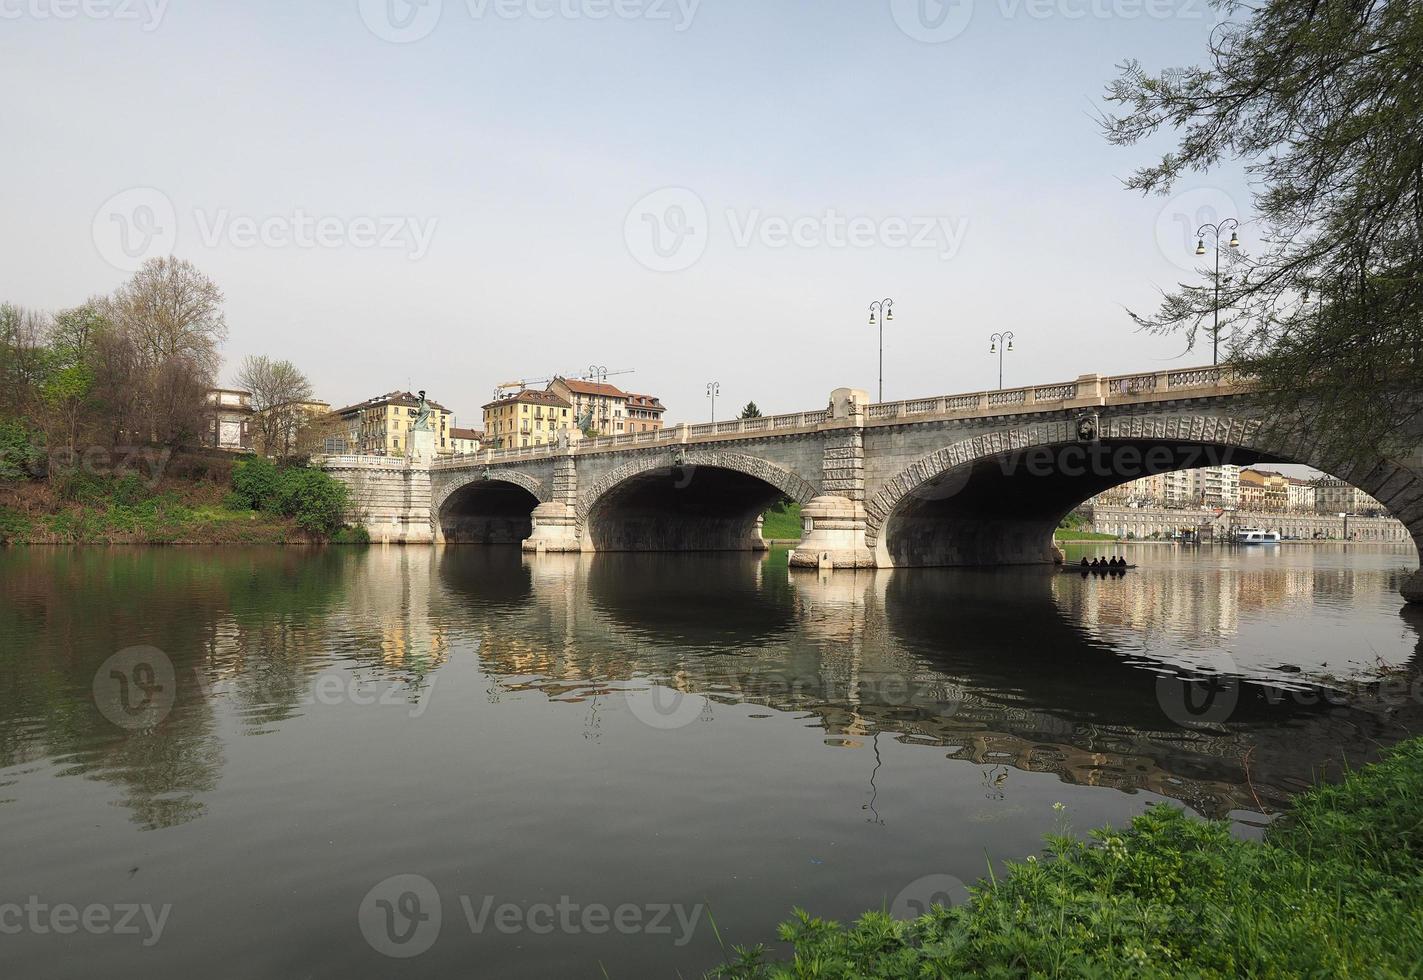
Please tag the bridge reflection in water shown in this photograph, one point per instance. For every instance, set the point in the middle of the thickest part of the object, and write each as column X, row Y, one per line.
column 1013, row 667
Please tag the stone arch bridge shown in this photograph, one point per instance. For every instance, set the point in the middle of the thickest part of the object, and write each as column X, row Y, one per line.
column 971, row 479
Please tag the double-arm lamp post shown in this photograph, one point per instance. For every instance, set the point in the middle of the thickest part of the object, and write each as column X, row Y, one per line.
column 1216, row 230
column 880, row 311
column 1000, row 343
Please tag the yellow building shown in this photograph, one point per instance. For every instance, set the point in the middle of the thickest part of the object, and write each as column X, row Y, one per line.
column 529, row 418
column 381, row 426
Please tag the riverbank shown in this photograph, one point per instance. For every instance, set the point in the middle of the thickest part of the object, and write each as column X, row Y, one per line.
column 1333, row 889
column 195, row 504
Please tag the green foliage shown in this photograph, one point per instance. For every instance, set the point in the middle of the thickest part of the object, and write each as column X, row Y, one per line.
column 1320, row 101
column 254, row 484
column 352, row 535
column 315, row 499
column 750, row 411
column 19, row 455
column 13, row 525
column 1334, row 889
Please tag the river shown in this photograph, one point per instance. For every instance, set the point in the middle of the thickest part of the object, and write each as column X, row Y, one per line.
column 372, row 762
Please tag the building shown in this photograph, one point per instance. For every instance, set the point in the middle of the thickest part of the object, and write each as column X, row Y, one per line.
column 227, row 419
column 1301, row 495
column 529, row 418
column 644, row 413
column 598, row 407
column 466, row 440
column 381, row 426
column 1262, row 490
column 1334, row 496
column 1212, row 486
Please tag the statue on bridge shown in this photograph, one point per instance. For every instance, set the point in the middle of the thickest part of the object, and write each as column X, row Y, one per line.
column 422, row 415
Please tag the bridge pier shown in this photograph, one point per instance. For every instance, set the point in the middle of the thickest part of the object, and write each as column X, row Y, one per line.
column 835, row 519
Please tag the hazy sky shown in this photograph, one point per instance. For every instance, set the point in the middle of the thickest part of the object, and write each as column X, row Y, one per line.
column 454, row 194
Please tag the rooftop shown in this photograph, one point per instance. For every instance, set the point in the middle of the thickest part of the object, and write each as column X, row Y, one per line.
column 475, row 434
column 403, row 399
column 579, row 387
column 532, row 397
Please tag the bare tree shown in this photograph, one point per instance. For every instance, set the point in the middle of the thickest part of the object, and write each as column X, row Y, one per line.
column 24, row 357
column 170, row 310
column 279, row 395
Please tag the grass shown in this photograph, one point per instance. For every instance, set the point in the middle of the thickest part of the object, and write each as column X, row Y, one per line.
column 1335, row 888
column 782, row 522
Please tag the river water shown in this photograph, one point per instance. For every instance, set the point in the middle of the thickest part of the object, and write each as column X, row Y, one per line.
column 352, row 762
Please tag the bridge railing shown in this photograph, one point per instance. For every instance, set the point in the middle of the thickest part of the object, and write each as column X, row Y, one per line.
column 1087, row 388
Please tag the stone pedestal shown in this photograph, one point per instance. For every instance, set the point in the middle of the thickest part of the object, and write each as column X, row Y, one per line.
column 422, row 445
column 555, row 529
column 1412, row 587
column 834, row 535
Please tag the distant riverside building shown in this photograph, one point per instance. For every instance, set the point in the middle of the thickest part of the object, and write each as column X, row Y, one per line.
column 644, row 413
column 466, row 440
column 381, row 426
column 1334, row 496
column 1212, row 486
column 528, row 418
column 598, row 407
column 228, row 420
column 1264, row 491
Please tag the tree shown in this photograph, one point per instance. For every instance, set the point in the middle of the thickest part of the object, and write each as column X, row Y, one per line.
column 158, row 361
column 279, row 392
column 24, row 358
column 1322, row 100
column 69, row 390
column 750, row 411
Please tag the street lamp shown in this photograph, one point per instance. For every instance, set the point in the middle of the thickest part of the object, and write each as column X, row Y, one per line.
column 1234, row 242
column 713, row 389
column 1000, row 343
column 880, row 311
column 597, row 372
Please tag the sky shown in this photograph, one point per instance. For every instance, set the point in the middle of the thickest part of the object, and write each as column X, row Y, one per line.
column 458, row 193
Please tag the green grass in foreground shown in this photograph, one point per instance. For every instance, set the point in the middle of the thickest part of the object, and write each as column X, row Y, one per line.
column 1334, row 889
column 782, row 522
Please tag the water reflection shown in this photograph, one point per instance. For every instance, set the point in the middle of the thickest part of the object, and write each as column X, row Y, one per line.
column 1009, row 669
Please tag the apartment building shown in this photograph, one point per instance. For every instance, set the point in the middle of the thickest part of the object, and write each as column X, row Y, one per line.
column 381, row 426
column 528, row 418
column 466, row 440
column 1261, row 490
column 644, row 413
column 598, row 408
column 1334, row 496
column 1212, row 486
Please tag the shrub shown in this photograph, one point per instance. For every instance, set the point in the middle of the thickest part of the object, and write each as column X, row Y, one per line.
column 128, row 490
column 315, row 499
column 13, row 524
column 256, row 481
column 19, row 456
column 80, row 487
column 352, row 535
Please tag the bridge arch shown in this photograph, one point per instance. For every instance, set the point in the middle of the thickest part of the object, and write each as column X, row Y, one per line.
column 693, row 500
column 491, row 507
column 995, row 498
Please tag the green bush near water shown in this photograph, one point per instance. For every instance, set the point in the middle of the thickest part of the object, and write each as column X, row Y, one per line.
column 1334, row 889
column 314, row 499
